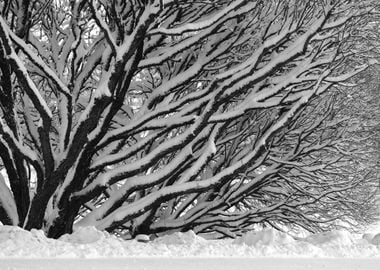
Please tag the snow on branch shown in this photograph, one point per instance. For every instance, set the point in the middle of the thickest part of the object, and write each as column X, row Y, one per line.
column 38, row 62
column 10, row 139
column 101, row 23
column 22, row 74
column 190, row 27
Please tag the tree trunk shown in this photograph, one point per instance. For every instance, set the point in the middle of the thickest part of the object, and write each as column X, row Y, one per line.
column 37, row 210
column 64, row 223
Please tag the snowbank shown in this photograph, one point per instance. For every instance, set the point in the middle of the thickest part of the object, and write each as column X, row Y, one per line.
column 333, row 239
column 178, row 238
column 265, row 238
column 90, row 243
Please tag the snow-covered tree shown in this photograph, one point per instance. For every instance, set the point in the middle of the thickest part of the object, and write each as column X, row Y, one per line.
column 159, row 115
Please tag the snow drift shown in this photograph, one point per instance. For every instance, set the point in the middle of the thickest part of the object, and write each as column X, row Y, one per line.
column 88, row 242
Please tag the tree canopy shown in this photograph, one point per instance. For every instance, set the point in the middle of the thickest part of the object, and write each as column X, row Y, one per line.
column 149, row 116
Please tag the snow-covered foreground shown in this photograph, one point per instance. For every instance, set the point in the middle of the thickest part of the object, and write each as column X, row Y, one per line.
column 88, row 248
column 192, row 264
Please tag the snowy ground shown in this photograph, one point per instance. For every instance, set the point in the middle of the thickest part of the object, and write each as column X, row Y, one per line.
column 193, row 264
column 88, row 248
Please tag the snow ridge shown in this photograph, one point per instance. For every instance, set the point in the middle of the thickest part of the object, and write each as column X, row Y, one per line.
column 88, row 242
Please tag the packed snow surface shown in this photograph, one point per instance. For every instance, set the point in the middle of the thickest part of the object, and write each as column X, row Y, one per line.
column 87, row 242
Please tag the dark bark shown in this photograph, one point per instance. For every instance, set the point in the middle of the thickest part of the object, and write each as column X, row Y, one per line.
column 18, row 181
column 4, row 217
column 64, row 223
